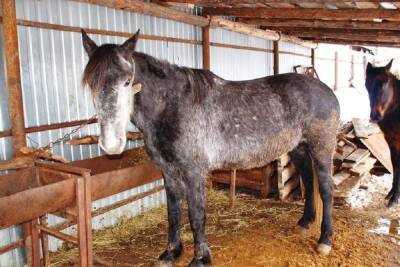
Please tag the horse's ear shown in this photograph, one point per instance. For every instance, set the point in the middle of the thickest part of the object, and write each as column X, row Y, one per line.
column 130, row 44
column 389, row 65
column 89, row 45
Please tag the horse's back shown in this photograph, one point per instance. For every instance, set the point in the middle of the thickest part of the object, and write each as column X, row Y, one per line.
column 250, row 123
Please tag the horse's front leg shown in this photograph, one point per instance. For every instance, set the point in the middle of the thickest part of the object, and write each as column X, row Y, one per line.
column 175, row 192
column 394, row 193
column 196, row 199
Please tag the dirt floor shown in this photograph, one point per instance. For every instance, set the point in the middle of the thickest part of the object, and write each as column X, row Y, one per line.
column 256, row 232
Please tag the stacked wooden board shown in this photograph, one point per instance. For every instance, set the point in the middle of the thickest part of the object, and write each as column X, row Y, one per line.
column 355, row 156
column 258, row 179
column 278, row 178
column 288, row 179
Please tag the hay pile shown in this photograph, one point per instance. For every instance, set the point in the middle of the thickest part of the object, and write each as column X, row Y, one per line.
column 255, row 233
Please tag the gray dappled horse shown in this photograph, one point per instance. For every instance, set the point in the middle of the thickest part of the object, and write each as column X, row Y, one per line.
column 195, row 122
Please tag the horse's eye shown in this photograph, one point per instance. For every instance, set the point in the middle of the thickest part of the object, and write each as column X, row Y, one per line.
column 128, row 82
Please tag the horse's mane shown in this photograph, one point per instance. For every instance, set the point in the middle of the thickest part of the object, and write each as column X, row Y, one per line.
column 198, row 81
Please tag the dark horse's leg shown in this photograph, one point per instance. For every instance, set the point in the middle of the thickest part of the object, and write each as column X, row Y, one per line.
column 394, row 193
column 175, row 192
column 196, row 199
column 303, row 162
column 322, row 159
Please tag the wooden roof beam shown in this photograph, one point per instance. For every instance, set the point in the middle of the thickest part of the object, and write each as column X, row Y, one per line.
column 334, row 24
column 233, row 2
column 266, row 34
column 354, row 42
column 301, row 13
column 350, row 35
column 168, row 13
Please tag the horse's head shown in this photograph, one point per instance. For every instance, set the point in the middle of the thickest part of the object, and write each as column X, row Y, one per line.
column 380, row 85
column 109, row 74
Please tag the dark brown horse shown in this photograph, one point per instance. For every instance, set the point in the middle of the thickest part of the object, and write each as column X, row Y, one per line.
column 384, row 96
column 195, row 122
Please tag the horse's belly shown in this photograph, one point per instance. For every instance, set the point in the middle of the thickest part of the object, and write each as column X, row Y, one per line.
column 246, row 153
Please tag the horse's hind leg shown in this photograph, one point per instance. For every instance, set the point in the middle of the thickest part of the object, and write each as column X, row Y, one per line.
column 322, row 155
column 301, row 158
column 175, row 193
column 196, row 198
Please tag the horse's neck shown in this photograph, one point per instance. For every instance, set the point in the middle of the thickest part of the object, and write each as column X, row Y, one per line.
column 394, row 108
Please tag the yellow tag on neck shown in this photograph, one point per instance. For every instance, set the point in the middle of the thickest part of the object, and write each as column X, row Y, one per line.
column 137, row 88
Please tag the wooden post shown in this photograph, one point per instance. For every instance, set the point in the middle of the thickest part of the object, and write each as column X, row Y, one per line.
column 16, row 109
column 13, row 75
column 81, row 222
column 45, row 242
column 365, row 62
column 276, row 57
column 88, row 217
column 352, row 71
column 336, row 84
column 313, row 57
column 206, row 47
column 35, row 243
column 233, row 187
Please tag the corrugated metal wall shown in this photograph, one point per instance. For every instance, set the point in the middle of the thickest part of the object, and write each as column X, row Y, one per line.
column 240, row 64
column 293, row 55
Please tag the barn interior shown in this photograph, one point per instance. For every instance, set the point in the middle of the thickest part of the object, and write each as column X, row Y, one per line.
column 63, row 202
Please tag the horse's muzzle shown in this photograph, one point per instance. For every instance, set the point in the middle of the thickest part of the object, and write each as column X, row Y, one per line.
column 375, row 116
column 113, row 146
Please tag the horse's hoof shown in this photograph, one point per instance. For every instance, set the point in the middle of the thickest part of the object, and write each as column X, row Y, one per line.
column 324, row 249
column 163, row 264
column 393, row 203
column 200, row 262
column 300, row 230
column 170, row 255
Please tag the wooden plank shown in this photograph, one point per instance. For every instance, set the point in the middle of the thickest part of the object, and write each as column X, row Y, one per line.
column 276, row 57
column 365, row 166
column 347, row 187
column 291, row 185
column 232, row 188
column 239, row 182
column 47, row 198
column 168, row 13
column 352, row 35
column 363, row 128
column 358, row 155
column 206, row 47
column 345, row 152
column 16, row 163
column 81, row 222
column 376, row 143
column 265, row 34
column 336, row 71
column 342, row 14
column 354, row 42
column 237, row 2
column 340, row 177
column 11, row 246
column 317, row 23
column 288, row 172
column 151, row 9
column 12, row 68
